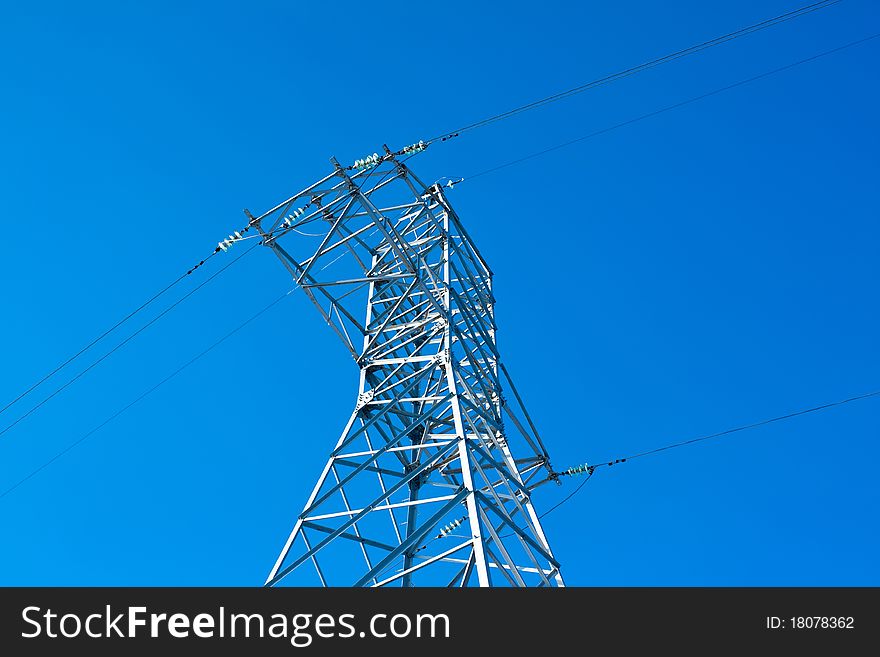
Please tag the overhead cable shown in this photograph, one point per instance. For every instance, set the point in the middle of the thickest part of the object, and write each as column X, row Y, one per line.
column 145, row 394
column 730, row 36
column 590, row 468
column 224, row 245
column 663, row 110
column 121, row 344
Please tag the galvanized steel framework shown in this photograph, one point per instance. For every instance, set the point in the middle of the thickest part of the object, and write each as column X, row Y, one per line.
column 430, row 481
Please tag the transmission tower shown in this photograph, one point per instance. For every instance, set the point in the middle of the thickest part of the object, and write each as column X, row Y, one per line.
column 430, row 481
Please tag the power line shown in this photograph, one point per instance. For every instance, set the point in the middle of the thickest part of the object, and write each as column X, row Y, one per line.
column 746, row 427
column 590, row 469
column 498, row 117
column 681, row 53
column 555, row 506
column 127, row 340
column 770, row 22
column 564, row 499
column 221, row 246
column 102, row 336
column 167, row 378
column 145, row 394
column 669, row 108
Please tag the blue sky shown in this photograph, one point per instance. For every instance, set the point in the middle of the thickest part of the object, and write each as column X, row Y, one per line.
column 705, row 268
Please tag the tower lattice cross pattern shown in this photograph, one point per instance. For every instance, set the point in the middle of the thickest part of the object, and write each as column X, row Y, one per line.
column 430, row 482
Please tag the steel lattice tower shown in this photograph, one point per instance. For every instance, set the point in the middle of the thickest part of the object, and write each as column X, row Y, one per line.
column 430, row 481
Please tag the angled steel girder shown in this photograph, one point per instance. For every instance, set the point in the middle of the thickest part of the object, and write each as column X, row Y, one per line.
column 422, row 487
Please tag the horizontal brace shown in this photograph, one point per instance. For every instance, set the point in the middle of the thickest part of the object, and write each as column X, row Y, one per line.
column 397, row 327
column 383, row 507
column 380, row 402
column 397, row 361
column 370, row 468
column 523, row 569
column 405, row 448
column 352, row 281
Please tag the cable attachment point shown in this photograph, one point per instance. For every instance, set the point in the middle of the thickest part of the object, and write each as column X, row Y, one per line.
column 413, row 148
column 578, row 470
column 289, row 219
column 452, row 183
column 367, row 162
column 196, row 266
column 229, row 241
column 448, row 529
